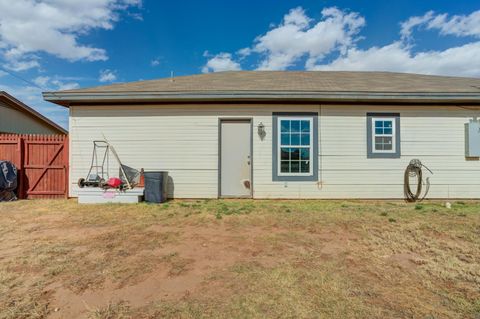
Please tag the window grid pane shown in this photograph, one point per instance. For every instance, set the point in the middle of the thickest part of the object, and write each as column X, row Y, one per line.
column 295, row 139
column 285, row 126
column 304, row 166
column 295, row 126
column 383, row 127
column 285, row 168
column 383, row 143
column 285, row 139
column 305, row 125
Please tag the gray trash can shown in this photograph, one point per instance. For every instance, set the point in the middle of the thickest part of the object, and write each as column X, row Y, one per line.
column 155, row 186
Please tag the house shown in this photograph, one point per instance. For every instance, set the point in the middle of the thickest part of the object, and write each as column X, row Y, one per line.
column 18, row 118
column 287, row 134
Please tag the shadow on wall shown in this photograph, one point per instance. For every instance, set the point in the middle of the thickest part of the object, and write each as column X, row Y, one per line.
column 170, row 187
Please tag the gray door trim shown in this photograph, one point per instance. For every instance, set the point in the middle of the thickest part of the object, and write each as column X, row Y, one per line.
column 219, row 165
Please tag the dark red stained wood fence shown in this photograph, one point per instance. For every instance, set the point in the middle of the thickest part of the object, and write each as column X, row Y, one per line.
column 42, row 163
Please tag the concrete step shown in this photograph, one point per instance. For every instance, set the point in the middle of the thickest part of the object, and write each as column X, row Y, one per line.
column 95, row 195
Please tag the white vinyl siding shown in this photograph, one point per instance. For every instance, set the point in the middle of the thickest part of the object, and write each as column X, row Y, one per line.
column 183, row 139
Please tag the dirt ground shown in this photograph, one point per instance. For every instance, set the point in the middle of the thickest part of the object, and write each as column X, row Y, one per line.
column 240, row 259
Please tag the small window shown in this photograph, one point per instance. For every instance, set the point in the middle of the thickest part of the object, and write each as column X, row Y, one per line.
column 294, row 146
column 383, row 135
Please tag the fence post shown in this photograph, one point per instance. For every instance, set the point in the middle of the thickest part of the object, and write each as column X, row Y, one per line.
column 66, row 160
column 21, row 170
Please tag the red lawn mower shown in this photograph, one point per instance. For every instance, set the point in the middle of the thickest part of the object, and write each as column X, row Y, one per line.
column 98, row 175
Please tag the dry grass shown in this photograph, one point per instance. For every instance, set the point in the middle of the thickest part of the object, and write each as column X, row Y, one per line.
column 119, row 310
column 224, row 259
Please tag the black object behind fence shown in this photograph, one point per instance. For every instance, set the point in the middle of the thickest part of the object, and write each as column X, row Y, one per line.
column 8, row 181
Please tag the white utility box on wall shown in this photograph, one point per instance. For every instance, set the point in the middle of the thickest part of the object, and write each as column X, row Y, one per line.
column 472, row 138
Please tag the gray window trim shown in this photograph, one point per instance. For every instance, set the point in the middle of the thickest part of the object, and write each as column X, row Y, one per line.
column 370, row 153
column 314, row 176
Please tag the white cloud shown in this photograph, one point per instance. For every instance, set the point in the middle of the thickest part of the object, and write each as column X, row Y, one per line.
column 65, row 85
column 53, row 84
column 244, row 52
column 297, row 17
column 107, row 76
column 398, row 57
column 41, row 81
column 155, row 62
column 21, row 64
column 220, row 62
column 53, row 27
column 296, row 37
column 457, row 25
column 299, row 38
column 407, row 27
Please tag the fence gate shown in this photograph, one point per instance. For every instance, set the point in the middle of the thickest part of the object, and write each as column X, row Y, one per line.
column 42, row 163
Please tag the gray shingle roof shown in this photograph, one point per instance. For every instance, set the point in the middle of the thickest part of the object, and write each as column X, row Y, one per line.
column 297, row 81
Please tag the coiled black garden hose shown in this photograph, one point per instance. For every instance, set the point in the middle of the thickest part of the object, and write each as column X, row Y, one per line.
column 414, row 169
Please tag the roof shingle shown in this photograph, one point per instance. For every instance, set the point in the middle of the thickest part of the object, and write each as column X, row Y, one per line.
column 297, row 81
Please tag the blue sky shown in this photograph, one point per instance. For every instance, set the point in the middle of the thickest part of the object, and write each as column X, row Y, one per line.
column 60, row 44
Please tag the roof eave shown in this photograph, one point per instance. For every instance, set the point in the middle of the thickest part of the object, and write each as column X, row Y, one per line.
column 67, row 98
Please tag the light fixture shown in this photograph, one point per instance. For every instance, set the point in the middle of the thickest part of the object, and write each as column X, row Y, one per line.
column 261, row 131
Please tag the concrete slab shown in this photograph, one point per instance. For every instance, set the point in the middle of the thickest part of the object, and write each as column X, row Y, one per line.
column 94, row 195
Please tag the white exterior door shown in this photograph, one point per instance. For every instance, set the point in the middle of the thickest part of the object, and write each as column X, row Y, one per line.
column 235, row 158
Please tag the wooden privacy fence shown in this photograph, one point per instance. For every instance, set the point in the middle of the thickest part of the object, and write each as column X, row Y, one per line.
column 41, row 161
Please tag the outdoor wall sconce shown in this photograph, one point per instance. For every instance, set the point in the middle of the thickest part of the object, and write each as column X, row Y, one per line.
column 261, row 131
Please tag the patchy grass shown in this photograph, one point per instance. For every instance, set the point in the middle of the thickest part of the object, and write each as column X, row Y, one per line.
column 240, row 258
column 119, row 310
